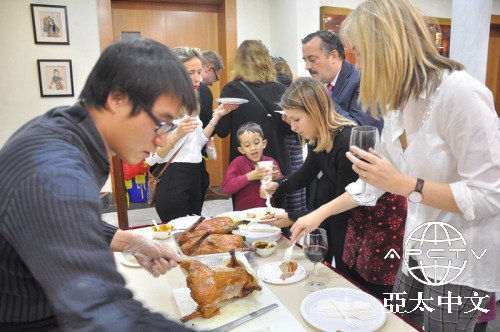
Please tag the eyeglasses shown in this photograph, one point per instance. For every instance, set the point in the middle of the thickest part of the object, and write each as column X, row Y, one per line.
column 161, row 127
column 215, row 73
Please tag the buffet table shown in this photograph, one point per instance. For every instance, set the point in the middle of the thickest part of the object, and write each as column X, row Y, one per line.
column 156, row 293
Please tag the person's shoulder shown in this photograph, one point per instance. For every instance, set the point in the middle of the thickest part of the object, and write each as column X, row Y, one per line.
column 239, row 160
column 460, row 81
column 343, row 135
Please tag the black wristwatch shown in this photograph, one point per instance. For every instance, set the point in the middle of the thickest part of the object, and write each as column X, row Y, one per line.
column 416, row 195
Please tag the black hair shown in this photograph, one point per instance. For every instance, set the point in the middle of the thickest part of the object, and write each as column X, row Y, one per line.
column 329, row 42
column 251, row 127
column 143, row 69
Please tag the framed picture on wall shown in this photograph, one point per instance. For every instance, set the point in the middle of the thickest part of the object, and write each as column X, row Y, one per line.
column 55, row 78
column 50, row 24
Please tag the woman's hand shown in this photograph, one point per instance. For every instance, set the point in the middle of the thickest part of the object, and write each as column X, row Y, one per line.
column 222, row 110
column 187, row 125
column 378, row 171
column 268, row 188
column 281, row 220
column 276, row 174
column 303, row 225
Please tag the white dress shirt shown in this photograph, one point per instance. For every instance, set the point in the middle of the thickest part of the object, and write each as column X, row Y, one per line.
column 190, row 152
column 452, row 137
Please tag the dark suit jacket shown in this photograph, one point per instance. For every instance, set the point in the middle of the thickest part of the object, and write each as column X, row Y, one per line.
column 345, row 97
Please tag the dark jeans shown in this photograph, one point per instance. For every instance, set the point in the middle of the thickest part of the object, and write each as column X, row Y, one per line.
column 178, row 193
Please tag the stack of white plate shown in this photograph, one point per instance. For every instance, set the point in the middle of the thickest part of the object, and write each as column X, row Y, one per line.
column 258, row 232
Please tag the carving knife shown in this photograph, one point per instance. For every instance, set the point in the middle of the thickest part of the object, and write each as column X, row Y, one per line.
column 244, row 319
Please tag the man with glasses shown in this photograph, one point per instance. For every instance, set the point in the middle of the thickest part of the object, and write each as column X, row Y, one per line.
column 57, row 271
column 212, row 66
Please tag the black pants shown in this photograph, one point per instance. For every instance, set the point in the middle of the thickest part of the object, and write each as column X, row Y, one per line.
column 205, row 180
column 319, row 192
column 179, row 191
column 335, row 231
column 374, row 289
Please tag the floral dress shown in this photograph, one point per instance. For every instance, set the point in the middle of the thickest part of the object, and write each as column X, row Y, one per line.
column 371, row 234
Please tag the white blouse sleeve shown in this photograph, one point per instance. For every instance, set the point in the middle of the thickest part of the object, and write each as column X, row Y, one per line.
column 474, row 140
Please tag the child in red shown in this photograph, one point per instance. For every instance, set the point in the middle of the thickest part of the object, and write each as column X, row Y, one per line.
column 243, row 177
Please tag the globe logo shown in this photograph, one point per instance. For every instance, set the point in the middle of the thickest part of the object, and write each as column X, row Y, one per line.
column 435, row 242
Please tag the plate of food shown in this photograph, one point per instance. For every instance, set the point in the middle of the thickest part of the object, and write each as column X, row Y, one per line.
column 261, row 214
column 237, row 101
column 278, row 273
column 343, row 309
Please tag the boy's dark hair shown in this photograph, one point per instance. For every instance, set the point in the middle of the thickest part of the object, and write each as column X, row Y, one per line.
column 142, row 69
column 251, row 127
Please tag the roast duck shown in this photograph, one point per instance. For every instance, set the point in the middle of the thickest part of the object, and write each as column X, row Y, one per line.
column 210, row 286
column 210, row 236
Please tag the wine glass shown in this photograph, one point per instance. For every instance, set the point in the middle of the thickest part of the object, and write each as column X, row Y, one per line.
column 315, row 248
column 364, row 137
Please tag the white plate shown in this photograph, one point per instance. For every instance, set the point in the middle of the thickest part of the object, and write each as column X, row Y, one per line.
column 260, row 212
column 325, row 323
column 232, row 100
column 183, row 222
column 271, row 273
column 235, row 215
column 126, row 262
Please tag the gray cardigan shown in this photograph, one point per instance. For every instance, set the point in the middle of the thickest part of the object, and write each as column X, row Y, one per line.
column 55, row 257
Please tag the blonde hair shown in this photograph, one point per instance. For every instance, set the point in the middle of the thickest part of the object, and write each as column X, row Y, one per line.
column 398, row 54
column 253, row 63
column 310, row 96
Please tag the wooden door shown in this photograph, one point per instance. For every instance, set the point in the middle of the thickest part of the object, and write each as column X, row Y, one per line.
column 493, row 67
column 206, row 24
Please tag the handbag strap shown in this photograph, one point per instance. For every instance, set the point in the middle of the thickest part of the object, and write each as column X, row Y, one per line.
column 255, row 97
column 170, row 161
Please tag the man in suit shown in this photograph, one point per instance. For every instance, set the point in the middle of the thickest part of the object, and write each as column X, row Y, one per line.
column 212, row 66
column 323, row 53
column 324, row 56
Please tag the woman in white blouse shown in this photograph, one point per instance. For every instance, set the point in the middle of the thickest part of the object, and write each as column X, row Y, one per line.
column 179, row 191
column 440, row 148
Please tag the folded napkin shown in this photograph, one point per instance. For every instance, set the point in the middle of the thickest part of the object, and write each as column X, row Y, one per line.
column 345, row 309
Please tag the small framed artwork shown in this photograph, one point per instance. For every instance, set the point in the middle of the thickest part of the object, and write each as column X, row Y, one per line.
column 56, row 78
column 50, row 24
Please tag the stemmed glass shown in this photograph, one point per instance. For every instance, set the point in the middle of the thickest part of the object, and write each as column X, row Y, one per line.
column 364, row 137
column 315, row 248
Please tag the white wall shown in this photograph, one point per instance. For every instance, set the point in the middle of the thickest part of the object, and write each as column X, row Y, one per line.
column 253, row 21
column 19, row 89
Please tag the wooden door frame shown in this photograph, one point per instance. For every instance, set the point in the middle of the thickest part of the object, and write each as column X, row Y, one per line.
column 226, row 21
